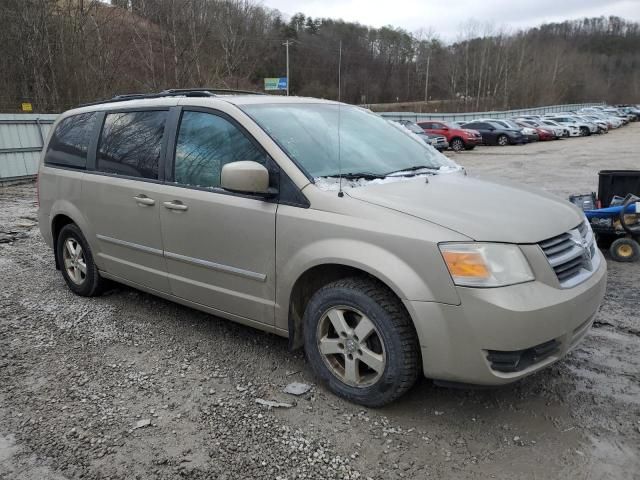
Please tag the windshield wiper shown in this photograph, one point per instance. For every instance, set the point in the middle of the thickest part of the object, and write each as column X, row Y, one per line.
column 356, row 175
column 412, row 169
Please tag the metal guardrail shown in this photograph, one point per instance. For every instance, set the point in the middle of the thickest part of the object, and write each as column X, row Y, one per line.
column 22, row 138
column 468, row 116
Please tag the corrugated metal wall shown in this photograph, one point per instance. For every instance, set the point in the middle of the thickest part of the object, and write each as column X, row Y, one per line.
column 21, row 139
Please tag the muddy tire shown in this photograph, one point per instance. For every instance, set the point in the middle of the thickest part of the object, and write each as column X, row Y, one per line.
column 625, row 250
column 360, row 341
column 75, row 259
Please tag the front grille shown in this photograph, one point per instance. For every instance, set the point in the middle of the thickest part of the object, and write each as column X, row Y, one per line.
column 572, row 255
column 518, row 360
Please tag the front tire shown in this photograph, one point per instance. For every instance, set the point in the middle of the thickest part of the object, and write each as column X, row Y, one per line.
column 75, row 259
column 360, row 341
column 503, row 140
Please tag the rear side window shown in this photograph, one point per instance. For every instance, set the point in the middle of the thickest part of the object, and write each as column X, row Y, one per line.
column 130, row 143
column 69, row 143
column 207, row 142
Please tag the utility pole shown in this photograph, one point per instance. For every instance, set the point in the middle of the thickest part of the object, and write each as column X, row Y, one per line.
column 286, row 44
column 339, row 69
column 426, row 79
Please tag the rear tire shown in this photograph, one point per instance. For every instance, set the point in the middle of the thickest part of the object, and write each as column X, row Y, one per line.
column 625, row 250
column 503, row 140
column 584, row 131
column 75, row 259
column 457, row 145
column 360, row 341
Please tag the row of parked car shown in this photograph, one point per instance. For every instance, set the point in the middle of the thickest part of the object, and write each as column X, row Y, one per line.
column 460, row 136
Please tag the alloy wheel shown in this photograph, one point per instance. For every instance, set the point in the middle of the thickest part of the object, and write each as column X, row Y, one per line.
column 457, row 145
column 351, row 346
column 74, row 260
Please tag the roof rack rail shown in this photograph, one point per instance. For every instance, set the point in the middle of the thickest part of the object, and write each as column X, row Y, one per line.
column 174, row 92
column 213, row 91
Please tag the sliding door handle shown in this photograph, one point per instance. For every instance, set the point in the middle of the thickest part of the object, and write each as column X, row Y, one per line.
column 175, row 205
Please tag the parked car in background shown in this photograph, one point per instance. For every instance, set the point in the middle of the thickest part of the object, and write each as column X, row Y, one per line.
column 544, row 134
column 496, row 134
column 439, row 142
column 582, row 128
column 557, row 131
column 592, row 126
column 612, row 122
column 567, row 130
column 618, row 114
column 529, row 133
column 459, row 138
column 603, row 126
column 631, row 110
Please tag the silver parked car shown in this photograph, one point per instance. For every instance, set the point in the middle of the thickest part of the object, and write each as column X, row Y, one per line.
column 360, row 243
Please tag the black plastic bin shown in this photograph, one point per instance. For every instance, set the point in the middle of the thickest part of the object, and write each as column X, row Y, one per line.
column 617, row 182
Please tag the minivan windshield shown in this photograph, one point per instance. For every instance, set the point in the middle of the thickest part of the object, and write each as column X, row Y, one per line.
column 368, row 144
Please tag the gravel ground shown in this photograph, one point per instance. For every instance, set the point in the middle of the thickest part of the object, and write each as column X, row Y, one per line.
column 131, row 386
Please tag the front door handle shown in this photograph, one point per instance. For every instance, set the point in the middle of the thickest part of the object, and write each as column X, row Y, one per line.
column 175, row 205
column 144, row 200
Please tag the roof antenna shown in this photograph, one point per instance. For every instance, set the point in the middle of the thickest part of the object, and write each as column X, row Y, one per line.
column 340, row 192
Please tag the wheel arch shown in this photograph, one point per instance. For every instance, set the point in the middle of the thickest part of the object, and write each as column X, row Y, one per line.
column 61, row 215
column 57, row 223
column 314, row 278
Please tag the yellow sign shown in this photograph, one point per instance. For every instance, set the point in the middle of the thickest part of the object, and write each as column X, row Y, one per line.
column 27, row 107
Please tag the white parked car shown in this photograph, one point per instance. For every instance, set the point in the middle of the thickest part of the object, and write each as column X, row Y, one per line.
column 602, row 125
column 569, row 120
column 567, row 130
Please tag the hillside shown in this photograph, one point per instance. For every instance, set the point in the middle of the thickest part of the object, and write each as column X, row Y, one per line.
column 60, row 53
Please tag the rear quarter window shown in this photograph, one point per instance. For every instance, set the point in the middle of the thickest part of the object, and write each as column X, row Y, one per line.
column 69, row 143
column 130, row 143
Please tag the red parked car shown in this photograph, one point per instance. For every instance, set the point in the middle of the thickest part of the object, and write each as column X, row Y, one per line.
column 543, row 133
column 458, row 138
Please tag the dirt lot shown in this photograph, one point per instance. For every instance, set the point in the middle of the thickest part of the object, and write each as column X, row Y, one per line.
column 76, row 375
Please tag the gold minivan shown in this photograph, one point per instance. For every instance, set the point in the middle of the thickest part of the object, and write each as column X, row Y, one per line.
column 324, row 223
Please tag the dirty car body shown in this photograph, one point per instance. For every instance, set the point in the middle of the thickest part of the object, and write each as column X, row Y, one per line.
column 360, row 243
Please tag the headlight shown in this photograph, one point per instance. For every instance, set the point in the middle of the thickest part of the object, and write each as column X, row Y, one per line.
column 486, row 264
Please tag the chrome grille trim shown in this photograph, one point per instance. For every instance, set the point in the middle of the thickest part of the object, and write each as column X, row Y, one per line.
column 572, row 255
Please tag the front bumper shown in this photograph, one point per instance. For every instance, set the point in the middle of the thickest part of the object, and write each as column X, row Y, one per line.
column 469, row 141
column 457, row 340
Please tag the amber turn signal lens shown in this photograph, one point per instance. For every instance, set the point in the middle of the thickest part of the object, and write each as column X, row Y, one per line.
column 466, row 264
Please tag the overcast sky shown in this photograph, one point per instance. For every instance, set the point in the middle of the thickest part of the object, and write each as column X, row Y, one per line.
column 446, row 17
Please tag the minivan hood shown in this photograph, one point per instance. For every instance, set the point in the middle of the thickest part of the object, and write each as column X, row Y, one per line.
column 484, row 210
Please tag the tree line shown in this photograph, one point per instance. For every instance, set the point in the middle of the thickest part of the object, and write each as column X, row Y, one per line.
column 59, row 53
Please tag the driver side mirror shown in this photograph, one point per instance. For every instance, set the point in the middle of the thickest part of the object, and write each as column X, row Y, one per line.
column 246, row 177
